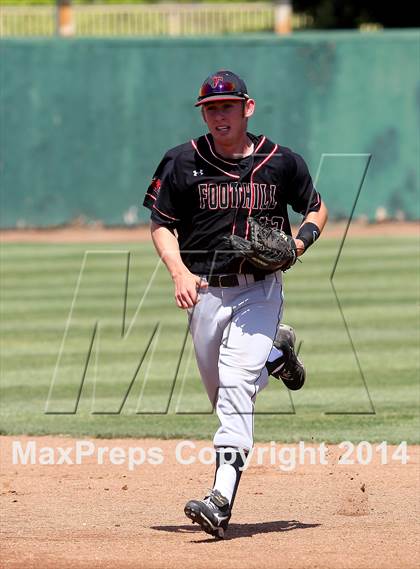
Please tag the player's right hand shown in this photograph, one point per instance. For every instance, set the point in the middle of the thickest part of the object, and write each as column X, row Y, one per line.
column 187, row 287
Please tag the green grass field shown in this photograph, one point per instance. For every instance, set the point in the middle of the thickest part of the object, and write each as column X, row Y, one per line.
column 378, row 289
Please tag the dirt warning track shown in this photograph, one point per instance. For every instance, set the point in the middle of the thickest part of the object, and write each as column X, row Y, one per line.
column 92, row 515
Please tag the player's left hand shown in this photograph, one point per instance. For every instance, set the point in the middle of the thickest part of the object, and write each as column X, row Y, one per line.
column 300, row 247
column 267, row 248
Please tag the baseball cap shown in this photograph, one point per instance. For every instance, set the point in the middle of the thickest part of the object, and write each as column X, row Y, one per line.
column 222, row 85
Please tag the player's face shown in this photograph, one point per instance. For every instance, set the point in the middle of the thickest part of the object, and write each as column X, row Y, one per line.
column 227, row 120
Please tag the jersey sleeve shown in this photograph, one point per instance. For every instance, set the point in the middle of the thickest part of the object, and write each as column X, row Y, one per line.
column 161, row 195
column 301, row 194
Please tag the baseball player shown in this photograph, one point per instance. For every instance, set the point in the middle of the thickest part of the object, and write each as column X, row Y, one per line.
column 224, row 186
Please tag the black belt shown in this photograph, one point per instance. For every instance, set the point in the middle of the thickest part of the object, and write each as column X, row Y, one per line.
column 231, row 280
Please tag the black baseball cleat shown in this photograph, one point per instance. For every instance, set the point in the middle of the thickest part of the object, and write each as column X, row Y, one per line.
column 212, row 513
column 287, row 367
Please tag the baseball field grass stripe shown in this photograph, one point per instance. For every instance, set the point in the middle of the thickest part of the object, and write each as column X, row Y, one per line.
column 377, row 286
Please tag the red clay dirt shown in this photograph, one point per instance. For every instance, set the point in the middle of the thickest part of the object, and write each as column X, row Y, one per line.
column 106, row 516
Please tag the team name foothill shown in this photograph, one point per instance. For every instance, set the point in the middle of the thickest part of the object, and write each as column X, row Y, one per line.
column 237, row 195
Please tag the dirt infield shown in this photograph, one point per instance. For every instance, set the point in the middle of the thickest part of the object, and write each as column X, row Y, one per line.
column 92, row 515
column 99, row 234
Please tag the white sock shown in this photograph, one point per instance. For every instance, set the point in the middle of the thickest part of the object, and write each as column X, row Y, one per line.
column 225, row 480
column 274, row 354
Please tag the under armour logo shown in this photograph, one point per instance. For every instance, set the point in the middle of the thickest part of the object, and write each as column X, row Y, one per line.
column 198, row 172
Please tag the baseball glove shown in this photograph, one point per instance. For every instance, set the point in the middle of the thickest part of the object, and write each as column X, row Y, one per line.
column 267, row 248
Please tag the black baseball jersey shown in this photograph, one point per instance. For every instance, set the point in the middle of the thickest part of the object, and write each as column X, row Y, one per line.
column 205, row 198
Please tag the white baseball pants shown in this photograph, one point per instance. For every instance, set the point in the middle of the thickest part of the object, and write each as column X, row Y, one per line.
column 233, row 329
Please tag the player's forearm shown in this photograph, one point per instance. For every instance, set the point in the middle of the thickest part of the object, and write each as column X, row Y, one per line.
column 187, row 285
column 305, row 235
column 319, row 218
column 167, row 246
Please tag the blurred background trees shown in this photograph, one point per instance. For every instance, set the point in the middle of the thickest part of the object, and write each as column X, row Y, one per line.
column 325, row 14
column 336, row 14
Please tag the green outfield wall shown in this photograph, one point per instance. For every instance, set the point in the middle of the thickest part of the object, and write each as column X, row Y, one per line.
column 84, row 122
